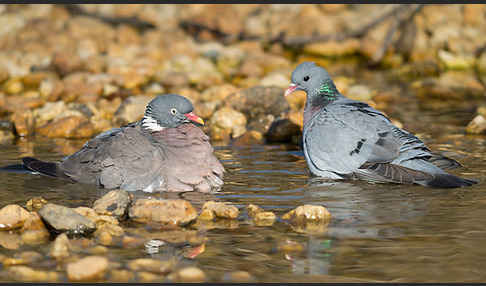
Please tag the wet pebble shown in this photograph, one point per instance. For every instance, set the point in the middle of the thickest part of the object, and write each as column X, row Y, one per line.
column 74, row 127
column 152, row 265
column 98, row 250
column 10, row 240
column 250, row 137
column 253, row 210
column 449, row 87
column 12, row 216
column 147, row 277
column 34, row 237
column 172, row 80
column 227, row 123
column 35, row 203
column 189, row 274
column 333, row 48
column 60, row 247
column 132, row 241
column 13, row 86
column 108, row 234
column 23, row 122
column 121, row 275
column 166, row 212
column 282, row 130
column 64, row 219
column 103, row 237
column 114, row 203
column 259, row 113
column 91, row 268
column 275, row 79
column 308, row 213
column 26, row 257
column 360, row 92
column 49, row 111
column 24, row 102
column 477, row 125
column 220, row 210
column 98, row 219
column 264, row 218
column 27, row 274
column 218, row 93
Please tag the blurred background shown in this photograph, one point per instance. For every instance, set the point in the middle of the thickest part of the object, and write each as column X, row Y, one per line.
column 72, row 71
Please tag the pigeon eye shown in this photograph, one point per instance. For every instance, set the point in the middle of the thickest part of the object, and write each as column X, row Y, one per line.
column 306, row 78
column 173, row 111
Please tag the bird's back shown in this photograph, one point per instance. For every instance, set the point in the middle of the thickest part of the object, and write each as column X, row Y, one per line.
column 174, row 159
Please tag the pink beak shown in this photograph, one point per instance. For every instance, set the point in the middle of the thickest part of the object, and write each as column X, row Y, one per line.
column 194, row 118
column 292, row 88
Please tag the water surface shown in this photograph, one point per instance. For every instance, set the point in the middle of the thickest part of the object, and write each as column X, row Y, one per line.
column 378, row 232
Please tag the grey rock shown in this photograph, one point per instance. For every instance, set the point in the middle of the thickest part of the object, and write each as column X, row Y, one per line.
column 64, row 219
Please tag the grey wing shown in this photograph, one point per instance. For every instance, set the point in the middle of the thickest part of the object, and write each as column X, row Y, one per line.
column 341, row 139
column 122, row 158
column 413, row 149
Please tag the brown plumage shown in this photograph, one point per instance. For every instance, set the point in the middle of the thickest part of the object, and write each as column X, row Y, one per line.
column 167, row 153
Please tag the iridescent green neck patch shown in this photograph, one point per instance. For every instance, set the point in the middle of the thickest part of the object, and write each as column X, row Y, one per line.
column 328, row 89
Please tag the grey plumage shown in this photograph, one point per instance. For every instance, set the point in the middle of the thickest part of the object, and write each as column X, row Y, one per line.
column 163, row 151
column 344, row 138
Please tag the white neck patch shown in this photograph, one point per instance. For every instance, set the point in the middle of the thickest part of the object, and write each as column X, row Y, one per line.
column 151, row 124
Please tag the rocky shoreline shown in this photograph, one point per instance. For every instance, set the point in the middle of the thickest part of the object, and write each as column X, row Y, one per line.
column 65, row 76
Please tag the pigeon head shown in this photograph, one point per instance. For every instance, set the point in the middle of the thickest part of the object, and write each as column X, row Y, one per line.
column 169, row 111
column 314, row 80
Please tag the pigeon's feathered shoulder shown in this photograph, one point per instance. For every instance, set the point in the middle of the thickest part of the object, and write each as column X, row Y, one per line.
column 103, row 160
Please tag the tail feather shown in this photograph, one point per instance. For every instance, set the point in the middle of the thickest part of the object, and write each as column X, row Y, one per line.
column 45, row 168
column 385, row 172
column 448, row 181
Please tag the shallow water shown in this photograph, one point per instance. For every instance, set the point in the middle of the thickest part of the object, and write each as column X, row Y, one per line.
column 380, row 232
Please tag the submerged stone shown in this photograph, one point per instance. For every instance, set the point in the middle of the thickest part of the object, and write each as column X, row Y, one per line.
column 12, row 216
column 166, row 212
column 91, row 268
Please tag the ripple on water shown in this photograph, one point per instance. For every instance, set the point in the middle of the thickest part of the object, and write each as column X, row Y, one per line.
column 377, row 231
